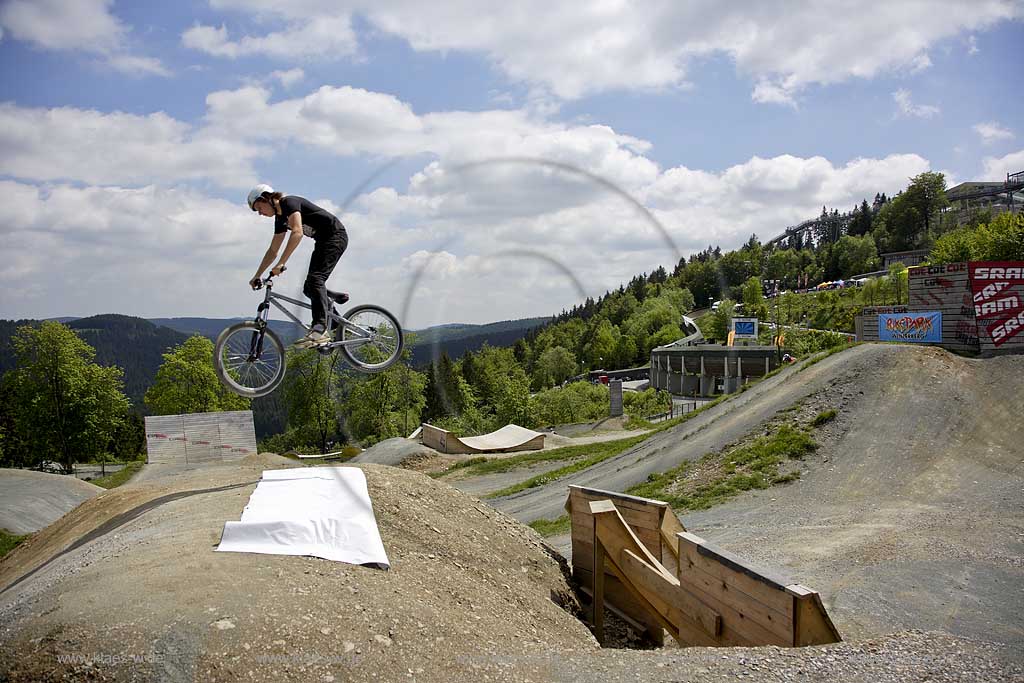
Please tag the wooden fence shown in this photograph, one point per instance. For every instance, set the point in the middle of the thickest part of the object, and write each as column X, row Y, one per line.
column 662, row 578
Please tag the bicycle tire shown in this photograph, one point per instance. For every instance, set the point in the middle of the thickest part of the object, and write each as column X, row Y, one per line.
column 222, row 347
column 391, row 355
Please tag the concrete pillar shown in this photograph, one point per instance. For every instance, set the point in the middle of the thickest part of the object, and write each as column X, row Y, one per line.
column 707, row 385
column 615, row 394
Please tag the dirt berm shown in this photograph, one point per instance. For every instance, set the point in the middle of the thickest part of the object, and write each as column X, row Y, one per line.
column 147, row 583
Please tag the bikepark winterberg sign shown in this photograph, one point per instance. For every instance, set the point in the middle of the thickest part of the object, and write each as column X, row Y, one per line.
column 923, row 327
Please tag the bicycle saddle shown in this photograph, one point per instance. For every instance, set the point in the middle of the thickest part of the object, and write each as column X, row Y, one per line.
column 336, row 297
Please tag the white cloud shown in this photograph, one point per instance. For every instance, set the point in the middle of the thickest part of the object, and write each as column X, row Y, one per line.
column 996, row 168
column 905, row 108
column 145, row 251
column 991, row 131
column 353, row 121
column 138, row 251
column 322, row 37
column 578, row 49
column 289, row 77
column 767, row 91
column 972, row 46
column 92, row 147
column 76, row 25
column 59, row 25
column 135, row 65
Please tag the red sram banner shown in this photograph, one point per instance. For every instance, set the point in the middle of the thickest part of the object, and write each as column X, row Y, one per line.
column 998, row 289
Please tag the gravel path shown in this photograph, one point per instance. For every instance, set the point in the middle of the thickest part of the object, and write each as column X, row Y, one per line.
column 711, row 430
column 31, row 500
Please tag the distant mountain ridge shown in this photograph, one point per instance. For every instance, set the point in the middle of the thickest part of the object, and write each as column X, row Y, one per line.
column 137, row 345
column 133, row 344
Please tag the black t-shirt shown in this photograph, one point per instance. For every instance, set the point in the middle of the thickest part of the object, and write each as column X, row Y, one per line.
column 316, row 222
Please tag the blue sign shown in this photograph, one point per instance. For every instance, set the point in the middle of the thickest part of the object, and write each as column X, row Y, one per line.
column 923, row 327
column 744, row 327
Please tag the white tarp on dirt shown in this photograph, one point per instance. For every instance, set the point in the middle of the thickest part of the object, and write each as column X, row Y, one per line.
column 319, row 511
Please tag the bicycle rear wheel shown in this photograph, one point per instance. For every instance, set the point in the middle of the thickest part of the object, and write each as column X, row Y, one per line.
column 249, row 361
column 378, row 335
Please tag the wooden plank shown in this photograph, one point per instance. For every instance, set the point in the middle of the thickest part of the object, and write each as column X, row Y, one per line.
column 755, row 621
column 618, row 598
column 599, row 592
column 624, row 498
column 669, row 555
column 665, row 593
column 651, row 610
column 649, row 520
column 615, row 533
column 694, row 551
column 739, row 625
column 582, row 555
column 811, row 622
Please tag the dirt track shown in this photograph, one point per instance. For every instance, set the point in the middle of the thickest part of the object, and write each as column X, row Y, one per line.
column 711, row 430
column 930, row 536
column 911, row 514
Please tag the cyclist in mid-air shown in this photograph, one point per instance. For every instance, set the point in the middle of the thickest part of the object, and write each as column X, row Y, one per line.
column 296, row 216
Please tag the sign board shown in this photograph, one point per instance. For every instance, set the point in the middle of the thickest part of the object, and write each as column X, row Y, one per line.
column 997, row 290
column 925, row 327
column 744, row 328
column 200, row 437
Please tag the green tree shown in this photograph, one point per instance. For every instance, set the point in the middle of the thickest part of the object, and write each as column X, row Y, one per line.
column 187, row 382
column 66, row 407
column 953, row 247
column 753, row 299
column 701, row 278
column 855, row 255
column 1001, row 239
column 716, row 324
column 311, row 395
column 379, row 406
column 554, row 366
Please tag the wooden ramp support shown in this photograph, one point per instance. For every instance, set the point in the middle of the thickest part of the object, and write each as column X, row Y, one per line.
column 711, row 599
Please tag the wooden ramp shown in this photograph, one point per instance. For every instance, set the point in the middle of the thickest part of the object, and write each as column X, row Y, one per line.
column 663, row 578
column 508, row 438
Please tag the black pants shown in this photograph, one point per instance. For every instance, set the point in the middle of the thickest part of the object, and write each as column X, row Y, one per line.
column 325, row 257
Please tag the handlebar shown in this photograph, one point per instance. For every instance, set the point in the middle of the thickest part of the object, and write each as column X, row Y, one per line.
column 268, row 280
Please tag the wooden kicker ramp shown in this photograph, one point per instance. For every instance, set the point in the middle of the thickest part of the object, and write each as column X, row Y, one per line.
column 659, row 577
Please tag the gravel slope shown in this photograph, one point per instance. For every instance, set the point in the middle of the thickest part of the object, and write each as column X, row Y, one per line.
column 31, row 500
column 911, row 514
column 711, row 430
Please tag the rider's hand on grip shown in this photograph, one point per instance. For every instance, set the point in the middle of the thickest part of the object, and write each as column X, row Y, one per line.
column 256, row 283
column 277, row 270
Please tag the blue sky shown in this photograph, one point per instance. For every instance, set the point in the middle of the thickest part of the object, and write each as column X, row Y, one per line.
column 132, row 131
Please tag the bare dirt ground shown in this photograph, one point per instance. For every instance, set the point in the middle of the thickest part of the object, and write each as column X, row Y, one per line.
column 465, row 580
column 911, row 512
column 908, row 520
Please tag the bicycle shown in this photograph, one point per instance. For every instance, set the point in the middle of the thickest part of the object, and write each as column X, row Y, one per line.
column 250, row 357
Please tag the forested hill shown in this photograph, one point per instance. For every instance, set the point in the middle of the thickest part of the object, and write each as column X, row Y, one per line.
column 133, row 344
column 456, row 340
column 212, row 327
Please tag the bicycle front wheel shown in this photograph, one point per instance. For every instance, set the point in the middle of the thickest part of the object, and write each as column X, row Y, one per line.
column 375, row 338
column 249, row 361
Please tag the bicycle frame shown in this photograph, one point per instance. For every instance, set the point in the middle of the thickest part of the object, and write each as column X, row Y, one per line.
column 334, row 320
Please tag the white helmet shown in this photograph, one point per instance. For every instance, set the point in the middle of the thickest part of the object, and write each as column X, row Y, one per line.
column 257, row 192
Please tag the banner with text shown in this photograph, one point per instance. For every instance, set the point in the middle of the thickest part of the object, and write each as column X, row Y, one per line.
column 923, row 327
